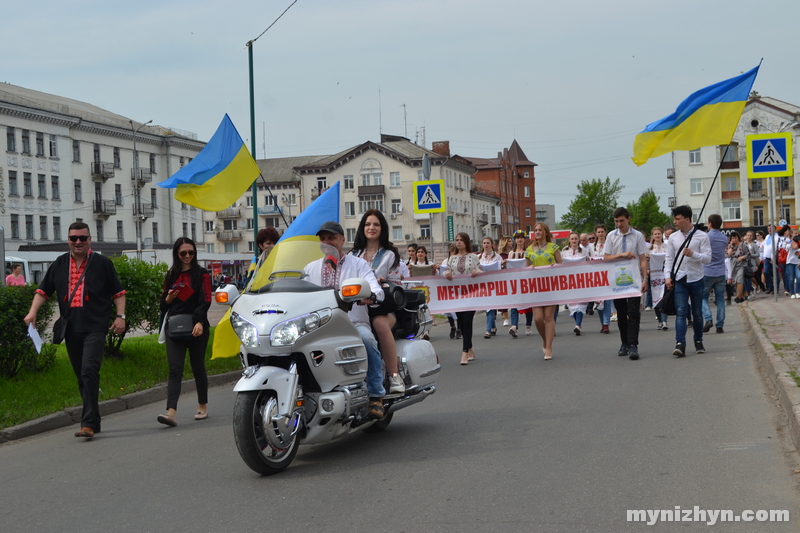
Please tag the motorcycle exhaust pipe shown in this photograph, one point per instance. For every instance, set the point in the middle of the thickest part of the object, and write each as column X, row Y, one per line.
column 410, row 400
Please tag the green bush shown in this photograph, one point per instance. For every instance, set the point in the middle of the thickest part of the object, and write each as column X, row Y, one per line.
column 16, row 348
column 143, row 283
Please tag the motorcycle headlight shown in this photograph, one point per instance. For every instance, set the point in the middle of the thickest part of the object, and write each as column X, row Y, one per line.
column 287, row 333
column 246, row 331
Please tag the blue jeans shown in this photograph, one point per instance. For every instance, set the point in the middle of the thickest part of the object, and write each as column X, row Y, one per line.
column 790, row 278
column 718, row 284
column 515, row 318
column 374, row 362
column 768, row 275
column 578, row 318
column 605, row 314
column 491, row 316
column 648, row 299
column 686, row 292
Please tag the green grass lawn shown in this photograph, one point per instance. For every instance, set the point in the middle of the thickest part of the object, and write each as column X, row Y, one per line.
column 30, row 395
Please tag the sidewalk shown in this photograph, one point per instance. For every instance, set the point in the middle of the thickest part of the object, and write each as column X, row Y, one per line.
column 774, row 334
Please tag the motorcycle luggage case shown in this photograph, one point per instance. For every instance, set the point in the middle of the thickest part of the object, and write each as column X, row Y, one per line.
column 420, row 359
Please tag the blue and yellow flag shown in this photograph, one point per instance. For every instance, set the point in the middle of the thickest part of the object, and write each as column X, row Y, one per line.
column 220, row 173
column 707, row 117
column 305, row 227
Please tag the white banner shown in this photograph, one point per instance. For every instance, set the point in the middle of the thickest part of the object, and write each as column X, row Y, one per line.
column 534, row 287
column 657, row 277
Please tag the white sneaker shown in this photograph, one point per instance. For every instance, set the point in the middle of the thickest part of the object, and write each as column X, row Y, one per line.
column 614, row 317
column 396, row 385
column 793, row 296
column 505, row 322
column 648, row 308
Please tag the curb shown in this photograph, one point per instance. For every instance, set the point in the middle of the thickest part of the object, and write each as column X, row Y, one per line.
column 72, row 415
column 777, row 371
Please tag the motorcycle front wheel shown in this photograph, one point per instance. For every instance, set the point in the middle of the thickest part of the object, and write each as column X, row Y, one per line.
column 266, row 445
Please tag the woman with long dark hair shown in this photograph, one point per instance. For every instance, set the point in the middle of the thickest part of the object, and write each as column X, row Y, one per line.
column 373, row 246
column 464, row 262
column 187, row 291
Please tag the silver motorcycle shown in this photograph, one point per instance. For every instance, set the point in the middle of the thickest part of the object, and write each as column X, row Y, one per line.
column 305, row 365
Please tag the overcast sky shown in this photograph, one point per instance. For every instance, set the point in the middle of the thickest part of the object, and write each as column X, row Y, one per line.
column 572, row 81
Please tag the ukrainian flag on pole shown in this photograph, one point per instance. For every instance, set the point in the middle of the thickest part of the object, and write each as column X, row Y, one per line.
column 220, row 173
column 707, row 117
column 305, row 227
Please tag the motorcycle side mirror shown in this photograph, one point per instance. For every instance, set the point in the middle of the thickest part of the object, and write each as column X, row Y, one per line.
column 226, row 294
column 355, row 289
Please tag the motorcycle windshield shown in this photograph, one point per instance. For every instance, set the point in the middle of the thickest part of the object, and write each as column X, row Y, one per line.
column 288, row 259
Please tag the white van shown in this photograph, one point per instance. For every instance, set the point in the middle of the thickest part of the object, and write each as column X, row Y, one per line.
column 11, row 261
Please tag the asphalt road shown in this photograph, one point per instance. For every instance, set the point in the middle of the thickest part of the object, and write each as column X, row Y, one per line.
column 508, row 443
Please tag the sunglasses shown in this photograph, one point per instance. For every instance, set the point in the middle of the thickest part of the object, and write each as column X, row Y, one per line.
column 76, row 238
column 184, row 253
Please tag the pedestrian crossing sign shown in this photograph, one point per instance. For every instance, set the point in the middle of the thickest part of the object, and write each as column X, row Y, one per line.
column 769, row 155
column 429, row 197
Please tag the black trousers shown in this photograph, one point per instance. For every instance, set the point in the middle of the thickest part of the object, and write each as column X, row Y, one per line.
column 176, row 357
column 465, row 321
column 628, row 319
column 85, row 352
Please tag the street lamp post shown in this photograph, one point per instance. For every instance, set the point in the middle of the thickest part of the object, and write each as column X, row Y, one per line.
column 138, row 216
column 288, row 205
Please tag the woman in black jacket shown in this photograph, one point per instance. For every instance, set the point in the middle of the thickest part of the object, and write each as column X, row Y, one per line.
column 186, row 298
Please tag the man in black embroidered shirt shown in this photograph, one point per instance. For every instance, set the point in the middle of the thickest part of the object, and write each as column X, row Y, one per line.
column 88, row 314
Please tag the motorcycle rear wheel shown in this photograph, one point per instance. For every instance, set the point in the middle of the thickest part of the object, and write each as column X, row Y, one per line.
column 380, row 425
column 263, row 444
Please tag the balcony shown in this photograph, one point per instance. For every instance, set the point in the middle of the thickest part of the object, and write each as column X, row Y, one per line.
column 143, row 210
column 141, row 175
column 366, row 190
column 104, row 208
column 229, row 235
column 315, row 193
column 755, row 194
column 731, row 195
column 231, row 212
column 102, row 171
column 482, row 219
column 671, row 201
column 269, row 210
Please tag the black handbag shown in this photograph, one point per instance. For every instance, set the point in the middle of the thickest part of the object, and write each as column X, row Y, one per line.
column 60, row 325
column 179, row 327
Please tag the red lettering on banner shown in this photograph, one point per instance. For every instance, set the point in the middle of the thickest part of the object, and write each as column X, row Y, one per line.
column 490, row 287
column 572, row 284
column 513, row 286
column 482, row 290
column 553, row 281
column 602, row 278
column 582, row 281
column 441, row 293
column 562, row 282
column 523, row 286
column 542, row 285
column 454, row 292
column 502, row 289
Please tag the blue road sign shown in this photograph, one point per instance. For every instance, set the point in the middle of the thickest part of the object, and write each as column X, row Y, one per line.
column 769, row 155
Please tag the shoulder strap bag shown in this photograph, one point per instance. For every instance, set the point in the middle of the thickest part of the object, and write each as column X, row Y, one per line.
column 667, row 304
column 60, row 325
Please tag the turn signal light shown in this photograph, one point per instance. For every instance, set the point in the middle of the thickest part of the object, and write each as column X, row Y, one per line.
column 221, row 297
column 350, row 290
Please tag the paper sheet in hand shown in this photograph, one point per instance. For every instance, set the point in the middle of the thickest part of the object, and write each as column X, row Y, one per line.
column 515, row 263
column 489, row 267
column 34, row 335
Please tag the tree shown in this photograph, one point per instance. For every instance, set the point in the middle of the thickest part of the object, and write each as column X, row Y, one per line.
column 143, row 283
column 594, row 204
column 645, row 213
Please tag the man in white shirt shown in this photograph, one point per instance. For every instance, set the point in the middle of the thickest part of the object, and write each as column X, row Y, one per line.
column 688, row 276
column 324, row 273
column 627, row 243
column 768, row 278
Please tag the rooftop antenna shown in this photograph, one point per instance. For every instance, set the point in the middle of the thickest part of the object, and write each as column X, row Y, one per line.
column 405, row 120
column 380, row 121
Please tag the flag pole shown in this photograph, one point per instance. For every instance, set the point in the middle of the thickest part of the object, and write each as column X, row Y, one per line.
column 253, row 141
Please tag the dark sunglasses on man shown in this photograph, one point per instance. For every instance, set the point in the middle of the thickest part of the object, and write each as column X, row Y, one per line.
column 76, row 238
column 184, row 253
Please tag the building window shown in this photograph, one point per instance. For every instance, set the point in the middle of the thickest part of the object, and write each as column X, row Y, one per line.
column 41, row 182
column 731, row 211
column 153, row 163
column 783, row 183
column 371, row 173
column 181, row 161
column 732, row 153
column 76, row 151
column 185, row 228
column 322, row 184
column 526, row 174
column 696, row 185
column 349, row 209
column 527, row 191
column 13, row 189
column 731, row 184
column 527, row 212
column 184, row 207
column 98, row 191
column 210, row 248
column 56, row 228
column 118, row 194
column 397, row 206
column 694, row 157
column 116, row 158
column 290, row 199
column 784, row 214
column 209, row 226
column 268, row 200
column 397, row 233
column 758, row 215
column 15, row 226
column 154, row 198
column 250, row 246
column 370, row 201
column 26, row 142
column 43, row 228
column 231, row 247
column 394, row 179
column 348, row 182
column 120, row 231
column 11, row 139
column 53, row 146
column 40, row 144
column 155, row 231
column 26, row 183
column 420, row 175
column 249, row 223
column 425, row 231
column 351, row 234
column 229, row 225
column 29, row 227
column 194, row 231
column 78, row 191
column 54, row 188
column 100, row 233
column 248, row 200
